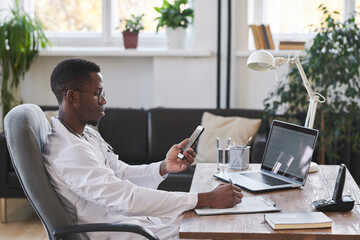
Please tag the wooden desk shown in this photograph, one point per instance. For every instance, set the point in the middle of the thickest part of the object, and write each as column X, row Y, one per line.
column 346, row 225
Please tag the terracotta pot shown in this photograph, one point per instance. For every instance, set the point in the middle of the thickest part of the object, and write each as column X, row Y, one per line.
column 130, row 39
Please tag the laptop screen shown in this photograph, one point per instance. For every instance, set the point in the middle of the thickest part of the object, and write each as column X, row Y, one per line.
column 289, row 149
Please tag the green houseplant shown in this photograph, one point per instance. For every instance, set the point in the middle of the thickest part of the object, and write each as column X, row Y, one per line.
column 130, row 30
column 21, row 37
column 332, row 66
column 175, row 18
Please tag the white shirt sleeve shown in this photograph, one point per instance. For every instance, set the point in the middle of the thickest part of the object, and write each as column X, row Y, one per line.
column 92, row 180
column 142, row 175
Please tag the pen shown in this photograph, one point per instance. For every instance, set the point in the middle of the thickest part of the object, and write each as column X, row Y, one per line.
column 230, row 181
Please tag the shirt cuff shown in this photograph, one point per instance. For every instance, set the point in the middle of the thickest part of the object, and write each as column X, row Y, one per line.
column 192, row 201
column 156, row 168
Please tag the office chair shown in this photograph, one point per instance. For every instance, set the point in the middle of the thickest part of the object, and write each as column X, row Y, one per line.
column 26, row 129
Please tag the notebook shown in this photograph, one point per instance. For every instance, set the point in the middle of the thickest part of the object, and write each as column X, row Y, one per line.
column 248, row 205
column 286, row 160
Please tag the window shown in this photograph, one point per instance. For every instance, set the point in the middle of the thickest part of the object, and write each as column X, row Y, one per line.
column 127, row 7
column 70, row 16
column 296, row 17
column 88, row 22
column 292, row 20
column 357, row 10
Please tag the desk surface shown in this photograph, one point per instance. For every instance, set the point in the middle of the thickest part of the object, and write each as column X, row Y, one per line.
column 346, row 225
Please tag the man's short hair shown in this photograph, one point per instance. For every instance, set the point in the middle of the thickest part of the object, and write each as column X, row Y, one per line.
column 71, row 74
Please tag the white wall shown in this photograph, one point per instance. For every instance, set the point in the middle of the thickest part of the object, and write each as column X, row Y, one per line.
column 145, row 82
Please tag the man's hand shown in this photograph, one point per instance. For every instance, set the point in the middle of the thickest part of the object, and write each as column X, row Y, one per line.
column 173, row 164
column 223, row 196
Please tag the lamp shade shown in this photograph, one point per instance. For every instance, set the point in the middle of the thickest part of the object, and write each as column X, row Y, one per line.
column 261, row 61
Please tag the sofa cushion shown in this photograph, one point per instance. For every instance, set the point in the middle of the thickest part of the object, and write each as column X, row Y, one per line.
column 126, row 130
column 168, row 126
column 238, row 128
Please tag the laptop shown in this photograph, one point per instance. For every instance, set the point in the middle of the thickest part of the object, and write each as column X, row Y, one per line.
column 285, row 163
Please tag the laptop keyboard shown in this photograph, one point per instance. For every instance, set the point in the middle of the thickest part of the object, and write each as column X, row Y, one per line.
column 260, row 177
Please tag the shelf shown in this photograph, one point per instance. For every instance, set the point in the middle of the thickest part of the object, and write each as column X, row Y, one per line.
column 275, row 53
column 121, row 52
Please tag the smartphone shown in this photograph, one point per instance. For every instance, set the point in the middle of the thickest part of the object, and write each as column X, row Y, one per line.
column 339, row 185
column 192, row 140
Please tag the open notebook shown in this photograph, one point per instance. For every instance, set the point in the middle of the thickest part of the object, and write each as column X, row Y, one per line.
column 248, row 205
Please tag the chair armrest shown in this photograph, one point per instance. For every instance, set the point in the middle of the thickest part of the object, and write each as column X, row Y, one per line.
column 104, row 227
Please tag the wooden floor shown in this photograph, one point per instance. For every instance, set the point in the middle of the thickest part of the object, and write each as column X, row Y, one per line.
column 23, row 222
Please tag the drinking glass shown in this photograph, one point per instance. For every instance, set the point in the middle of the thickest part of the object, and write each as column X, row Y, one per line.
column 223, row 154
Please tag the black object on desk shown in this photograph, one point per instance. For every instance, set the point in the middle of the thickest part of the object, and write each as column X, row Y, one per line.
column 338, row 202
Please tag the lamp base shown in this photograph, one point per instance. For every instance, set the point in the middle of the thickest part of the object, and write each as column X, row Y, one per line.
column 313, row 167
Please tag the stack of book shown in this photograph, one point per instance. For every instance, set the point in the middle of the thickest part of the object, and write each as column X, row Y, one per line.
column 262, row 36
column 292, row 45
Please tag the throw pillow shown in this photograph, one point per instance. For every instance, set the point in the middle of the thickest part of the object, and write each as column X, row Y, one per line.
column 238, row 128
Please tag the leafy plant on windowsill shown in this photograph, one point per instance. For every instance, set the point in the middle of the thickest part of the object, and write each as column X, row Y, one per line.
column 332, row 66
column 130, row 30
column 21, row 37
column 174, row 15
column 133, row 24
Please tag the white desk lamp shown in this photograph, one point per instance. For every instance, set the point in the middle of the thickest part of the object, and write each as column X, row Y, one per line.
column 264, row 61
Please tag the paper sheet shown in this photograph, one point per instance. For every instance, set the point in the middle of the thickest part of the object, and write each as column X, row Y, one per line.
column 248, row 205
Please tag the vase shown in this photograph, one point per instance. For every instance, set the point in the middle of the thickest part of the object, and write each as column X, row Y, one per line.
column 130, row 39
column 175, row 38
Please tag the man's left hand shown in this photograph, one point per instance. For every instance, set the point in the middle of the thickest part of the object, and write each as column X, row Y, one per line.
column 173, row 164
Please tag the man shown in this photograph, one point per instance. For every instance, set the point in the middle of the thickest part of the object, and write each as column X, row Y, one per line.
column 93, row 184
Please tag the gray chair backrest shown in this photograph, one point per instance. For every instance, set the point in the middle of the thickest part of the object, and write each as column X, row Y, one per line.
column 26, row 129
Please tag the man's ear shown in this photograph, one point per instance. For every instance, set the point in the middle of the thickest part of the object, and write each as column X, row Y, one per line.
column 69, row 96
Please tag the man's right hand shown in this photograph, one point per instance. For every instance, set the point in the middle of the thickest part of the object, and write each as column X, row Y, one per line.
column 223, row 196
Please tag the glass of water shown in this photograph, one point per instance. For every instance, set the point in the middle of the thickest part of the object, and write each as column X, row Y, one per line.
column 223, row 154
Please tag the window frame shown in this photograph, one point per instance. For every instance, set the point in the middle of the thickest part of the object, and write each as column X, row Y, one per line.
column 106, row 37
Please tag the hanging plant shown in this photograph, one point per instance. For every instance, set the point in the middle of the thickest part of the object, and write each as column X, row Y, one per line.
column 21, row 37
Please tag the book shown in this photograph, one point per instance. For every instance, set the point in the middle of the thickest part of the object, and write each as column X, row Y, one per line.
column 256, row 36
column 261, row 36
column 266, row 38
column 298, row 220
column 248, row 205
column 292, row 45
column 269, row 36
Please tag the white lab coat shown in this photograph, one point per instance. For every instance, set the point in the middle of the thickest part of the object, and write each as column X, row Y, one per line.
column 96, row 187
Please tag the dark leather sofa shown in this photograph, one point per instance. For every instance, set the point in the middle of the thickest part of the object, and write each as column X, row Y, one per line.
column 141, row 136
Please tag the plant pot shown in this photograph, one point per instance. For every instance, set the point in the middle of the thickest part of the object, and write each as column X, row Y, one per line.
column 175, row 38
column 130, row 39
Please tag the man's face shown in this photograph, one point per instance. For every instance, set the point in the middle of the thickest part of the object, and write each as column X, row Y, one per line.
column 91, row 103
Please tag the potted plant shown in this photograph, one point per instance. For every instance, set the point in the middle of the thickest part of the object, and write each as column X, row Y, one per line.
column 21, row 37
column 130, row 30
column 176, row 18
column 332, row 67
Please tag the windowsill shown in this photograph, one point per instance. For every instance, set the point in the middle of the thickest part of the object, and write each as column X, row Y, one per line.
column 275, row 53
column 121, row 52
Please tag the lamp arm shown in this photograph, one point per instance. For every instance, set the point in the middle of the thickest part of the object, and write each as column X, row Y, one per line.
column 314, row 96
column 306, row 82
